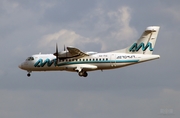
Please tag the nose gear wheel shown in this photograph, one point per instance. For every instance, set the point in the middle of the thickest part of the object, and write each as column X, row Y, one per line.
column 29, row 73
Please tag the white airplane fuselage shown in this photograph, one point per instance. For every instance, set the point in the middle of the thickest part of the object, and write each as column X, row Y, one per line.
column 99, row 61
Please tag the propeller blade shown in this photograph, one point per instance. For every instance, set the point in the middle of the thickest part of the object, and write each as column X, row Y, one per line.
column 56, row 48
column 56, row 53
column 65, row 50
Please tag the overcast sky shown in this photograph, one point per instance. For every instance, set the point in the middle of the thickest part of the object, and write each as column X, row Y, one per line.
column 149, row 90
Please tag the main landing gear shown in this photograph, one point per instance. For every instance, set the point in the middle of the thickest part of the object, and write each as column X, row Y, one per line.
column 83, row 74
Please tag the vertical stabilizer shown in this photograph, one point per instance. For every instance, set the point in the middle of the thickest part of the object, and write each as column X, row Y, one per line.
column 145, row 44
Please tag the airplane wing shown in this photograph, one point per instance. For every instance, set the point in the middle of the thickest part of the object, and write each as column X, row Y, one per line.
column 76, row 52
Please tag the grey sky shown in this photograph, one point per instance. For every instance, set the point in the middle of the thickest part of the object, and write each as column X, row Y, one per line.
column 137, row 91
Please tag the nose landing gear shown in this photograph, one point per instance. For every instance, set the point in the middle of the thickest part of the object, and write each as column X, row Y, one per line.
column 29, row 73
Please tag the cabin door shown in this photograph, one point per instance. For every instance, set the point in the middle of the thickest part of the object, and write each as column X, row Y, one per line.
column 113, row 60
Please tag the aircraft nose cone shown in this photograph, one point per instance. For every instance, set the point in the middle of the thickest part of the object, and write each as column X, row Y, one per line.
column 20, row 66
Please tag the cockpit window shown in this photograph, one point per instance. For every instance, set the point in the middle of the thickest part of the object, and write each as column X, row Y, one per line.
column 30, row 59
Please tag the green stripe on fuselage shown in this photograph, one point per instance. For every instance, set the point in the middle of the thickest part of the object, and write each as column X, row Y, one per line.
column 89, row 62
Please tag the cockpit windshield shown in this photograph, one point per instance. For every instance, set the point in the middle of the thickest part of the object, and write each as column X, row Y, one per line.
column 30, row 59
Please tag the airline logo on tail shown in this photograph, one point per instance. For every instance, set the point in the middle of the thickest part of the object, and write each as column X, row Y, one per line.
column 135, row 47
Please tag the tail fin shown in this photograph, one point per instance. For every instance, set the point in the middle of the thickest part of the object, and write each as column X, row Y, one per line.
column 145, row 44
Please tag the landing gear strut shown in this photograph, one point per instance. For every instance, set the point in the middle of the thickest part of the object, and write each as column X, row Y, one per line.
column 83, row 73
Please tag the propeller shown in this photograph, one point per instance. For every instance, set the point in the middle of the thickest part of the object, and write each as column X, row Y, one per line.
column 56, row 53
column 65, row 50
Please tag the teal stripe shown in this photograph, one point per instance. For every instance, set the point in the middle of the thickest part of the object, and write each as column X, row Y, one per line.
column 89, row 62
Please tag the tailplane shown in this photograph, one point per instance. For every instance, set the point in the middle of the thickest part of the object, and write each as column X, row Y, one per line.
column 145, row 44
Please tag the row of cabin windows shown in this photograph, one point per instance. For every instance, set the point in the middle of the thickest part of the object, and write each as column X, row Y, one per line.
column 103, row 59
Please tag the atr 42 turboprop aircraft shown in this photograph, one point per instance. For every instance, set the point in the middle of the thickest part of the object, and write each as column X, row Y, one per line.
column 75, row 60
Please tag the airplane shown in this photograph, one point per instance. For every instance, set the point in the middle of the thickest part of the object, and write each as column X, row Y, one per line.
column 75, row 60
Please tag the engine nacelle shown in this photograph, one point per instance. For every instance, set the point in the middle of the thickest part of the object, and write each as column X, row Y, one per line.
column 64, row 54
